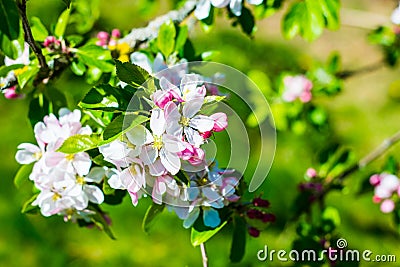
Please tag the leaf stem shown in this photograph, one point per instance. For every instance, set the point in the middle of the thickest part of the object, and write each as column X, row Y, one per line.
column 29, row 36
column 366, row 69
column 204, row 255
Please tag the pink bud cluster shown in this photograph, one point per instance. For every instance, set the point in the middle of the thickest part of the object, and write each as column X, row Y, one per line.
column 55, row 45
column 297, row 87
column 104, row 39
column 258, row 214
column 387, row 188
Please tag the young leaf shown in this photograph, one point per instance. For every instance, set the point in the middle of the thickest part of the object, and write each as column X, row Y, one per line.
column 27, row 75
column 246, row 21
column 121, row 125
column 102, row 224
column 28, row 208
column 23, row 174
column 131, row 73
column 238, row 239
column 181, row 38
column 78, row 68
column 79, row 143
column 39, row 31
column 198, row 238
column 62, row 23
column 166, row 38
column 151, row 214
column 9, row 19
column 95, row 56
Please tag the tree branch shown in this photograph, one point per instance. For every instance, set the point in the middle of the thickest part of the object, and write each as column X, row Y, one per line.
column 29, row 37
column 141, row 35
column 204, row 255
column 366, row 69
column 370, row 157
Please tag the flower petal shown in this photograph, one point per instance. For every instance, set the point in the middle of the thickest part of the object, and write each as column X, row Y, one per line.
column 211, row 218
column 202, row 123
column 202, row 9
column 170, row 161
column 157, row 121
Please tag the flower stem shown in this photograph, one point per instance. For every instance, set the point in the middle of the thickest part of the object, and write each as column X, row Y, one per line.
column 204, row 255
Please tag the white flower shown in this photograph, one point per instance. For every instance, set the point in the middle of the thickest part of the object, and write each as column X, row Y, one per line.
column 120, row 153
column 203, row 8
column 395, row 17
column 78, row 163
column 28, row 153
column 189, row 122
column 23, row 57
column 157, row 144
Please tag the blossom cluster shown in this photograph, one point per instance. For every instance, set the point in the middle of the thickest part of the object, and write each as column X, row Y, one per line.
column 296, row 87
column 149, row 156
column 66, row 182
column 387, row 189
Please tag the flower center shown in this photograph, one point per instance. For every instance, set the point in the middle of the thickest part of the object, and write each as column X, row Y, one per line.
column 203, row 181
column 184, row 121
column 80, row 180
column 37, row 155
column 157, row 144
column 70, row 157
column 56, row 196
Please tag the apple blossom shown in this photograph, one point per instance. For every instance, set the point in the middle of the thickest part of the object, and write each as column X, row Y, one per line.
column 203, row 8
column 297, row 87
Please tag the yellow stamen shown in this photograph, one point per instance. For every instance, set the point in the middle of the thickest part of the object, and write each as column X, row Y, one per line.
column 56, row 196
column 184, row 121
column 80, row 180
column 37, row 155
column 70, row 157
column 157, row 144
column 203, row 181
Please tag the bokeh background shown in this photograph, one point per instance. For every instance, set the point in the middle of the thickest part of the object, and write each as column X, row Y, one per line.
column 366, row 112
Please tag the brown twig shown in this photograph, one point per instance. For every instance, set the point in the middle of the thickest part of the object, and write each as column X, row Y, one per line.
column 29, row 36
column 370, row 68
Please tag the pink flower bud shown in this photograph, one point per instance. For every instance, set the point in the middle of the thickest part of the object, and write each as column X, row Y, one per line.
column 259, row 202
column 376, row 199
column 103, row 36
column 206, row 135
column 375, row 179
column 297, row 87
column 220, row 121
column 193, row 155
column 10, row 93
column 387, row 206
column 116, row 33
column 311, row 172
column 101, row 43
column 254, row 232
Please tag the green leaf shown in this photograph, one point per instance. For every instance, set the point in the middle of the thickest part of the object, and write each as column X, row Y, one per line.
column 166, row 38
column 39, row 31
column 62, row 23
column 330, row 10
column 131, row 73
column 9, row 19
column 100, row 222
column 28, row 208
column 27, row 75
column 4, row 70
column 246, row 21
column 181, row 39
column 78, row 68
column 107, row 189
column 198, row 238
column 95, row 56
column 116, row 198
column 23, row 174
column 11, row 48
column 107, row 98
column 121, row 125
column 152, row 212
column 38, row 108
column 332, row 214
column 238, row 245
column 67, row 3
column 79, row 143
column 304, row 18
